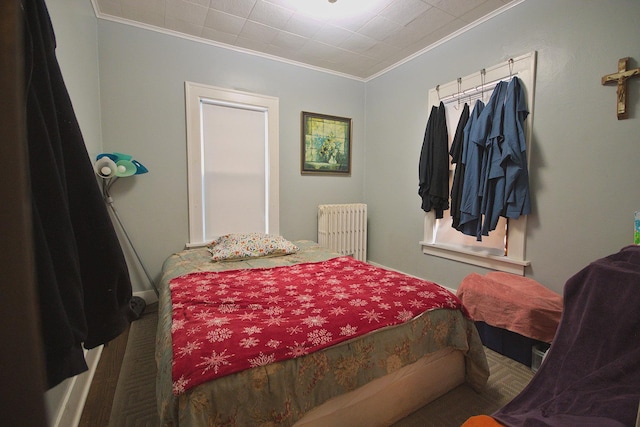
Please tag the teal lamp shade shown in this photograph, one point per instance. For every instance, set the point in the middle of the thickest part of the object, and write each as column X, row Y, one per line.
column 119, row 165
column 122, row 156
column 125, row 168
column 140, row 169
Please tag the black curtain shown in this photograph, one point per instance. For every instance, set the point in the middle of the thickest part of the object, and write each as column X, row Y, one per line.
column 83, row 283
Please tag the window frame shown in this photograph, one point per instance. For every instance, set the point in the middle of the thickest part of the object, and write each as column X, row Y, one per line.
column 514, row 260
column 197, row 94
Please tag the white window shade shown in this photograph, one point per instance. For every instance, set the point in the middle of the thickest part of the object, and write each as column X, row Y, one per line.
column 234, row 170
column 232, row 151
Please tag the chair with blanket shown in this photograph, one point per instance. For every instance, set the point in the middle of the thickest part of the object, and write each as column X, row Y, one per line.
column 591, row 374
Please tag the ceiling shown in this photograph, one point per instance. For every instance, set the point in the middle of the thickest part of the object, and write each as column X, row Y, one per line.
column 360, row 43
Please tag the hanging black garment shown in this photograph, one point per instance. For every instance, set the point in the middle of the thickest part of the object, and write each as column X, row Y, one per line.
column 424, row 166
column 457, row 146
column 82, row 278
column 433, row 169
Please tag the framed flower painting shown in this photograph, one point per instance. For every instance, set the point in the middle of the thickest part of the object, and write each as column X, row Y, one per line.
column 326, row 145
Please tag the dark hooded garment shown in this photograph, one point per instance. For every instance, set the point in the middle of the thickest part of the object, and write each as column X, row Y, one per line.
column 83, row 283
column 456, row 151
column 433, row 169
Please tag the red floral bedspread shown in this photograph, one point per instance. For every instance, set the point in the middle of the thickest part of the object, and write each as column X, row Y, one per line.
column 228, row 321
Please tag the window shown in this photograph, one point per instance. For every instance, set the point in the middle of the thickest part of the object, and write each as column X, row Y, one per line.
column 505, row 247
column 232, row 162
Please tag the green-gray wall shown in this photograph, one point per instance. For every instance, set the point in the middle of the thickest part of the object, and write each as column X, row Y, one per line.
column 126, row 85
column 142, row 75
column 584, row 171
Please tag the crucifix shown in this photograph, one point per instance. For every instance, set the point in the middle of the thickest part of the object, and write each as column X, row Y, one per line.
column 621, row 79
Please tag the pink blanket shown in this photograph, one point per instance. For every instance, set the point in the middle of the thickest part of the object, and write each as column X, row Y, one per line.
column 224, row 322
column 512, row 302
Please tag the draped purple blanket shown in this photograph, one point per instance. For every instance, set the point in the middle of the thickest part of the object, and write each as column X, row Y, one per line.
column 591, row 375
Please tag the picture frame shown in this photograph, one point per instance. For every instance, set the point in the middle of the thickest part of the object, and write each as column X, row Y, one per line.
column 325, row 145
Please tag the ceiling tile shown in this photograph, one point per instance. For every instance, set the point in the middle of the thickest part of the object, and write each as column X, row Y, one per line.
column 320, row 50
column 143, row 4
column 457, row 7
column 288, row 41
column 380, row 28
column 183, row 27
column 380, row 51
column 332, row 35
column 352, row 23
column 150, row 12
column 404, row 38
column 204, row 3
column 361, row 45
column 303, row 26
column 484, row 9
column 404, row 11
column 259, row 32
column 185, row 11
column 430, row 21
column 218, row 36
column 224, row 22
column 110, row 7
column 439, row 34
column 240, row 8
column 252, row 44
column 270, row 14
column 144, row 16
column 358, row 43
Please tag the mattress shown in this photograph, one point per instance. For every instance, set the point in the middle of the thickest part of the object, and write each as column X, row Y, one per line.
column 310, row 387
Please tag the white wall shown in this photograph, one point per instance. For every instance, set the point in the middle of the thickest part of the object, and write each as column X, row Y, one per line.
column 584, row 162
column 142, row 75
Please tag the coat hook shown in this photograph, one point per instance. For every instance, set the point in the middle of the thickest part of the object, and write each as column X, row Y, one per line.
column 438, row 90
column 510, row 68
column 459, row 90
column 483, row 72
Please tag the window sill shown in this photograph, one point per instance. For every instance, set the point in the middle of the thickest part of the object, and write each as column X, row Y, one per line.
column 494, row 262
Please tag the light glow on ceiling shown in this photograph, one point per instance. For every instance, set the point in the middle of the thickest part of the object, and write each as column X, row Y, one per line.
column 324, row 9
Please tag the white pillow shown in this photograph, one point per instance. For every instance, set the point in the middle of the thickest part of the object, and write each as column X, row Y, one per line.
column 240, row 246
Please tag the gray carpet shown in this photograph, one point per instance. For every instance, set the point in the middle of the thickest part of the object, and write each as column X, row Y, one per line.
column 134, row 402
column 507, row 379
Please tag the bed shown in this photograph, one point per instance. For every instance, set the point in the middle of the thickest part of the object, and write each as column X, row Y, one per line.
column 371, row 379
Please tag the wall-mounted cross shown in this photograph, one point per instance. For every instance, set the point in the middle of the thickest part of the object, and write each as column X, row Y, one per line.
column 621, row 79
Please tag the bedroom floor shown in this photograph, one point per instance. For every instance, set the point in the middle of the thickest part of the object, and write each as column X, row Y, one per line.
column 123, row 389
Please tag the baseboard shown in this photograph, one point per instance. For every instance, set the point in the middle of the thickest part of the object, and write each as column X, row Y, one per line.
column 72, row 404
column 148, row 296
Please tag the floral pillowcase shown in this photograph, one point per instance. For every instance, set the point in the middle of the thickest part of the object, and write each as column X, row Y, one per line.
column 241, row 246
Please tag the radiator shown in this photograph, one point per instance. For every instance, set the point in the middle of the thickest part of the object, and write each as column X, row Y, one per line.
column 343, row 229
